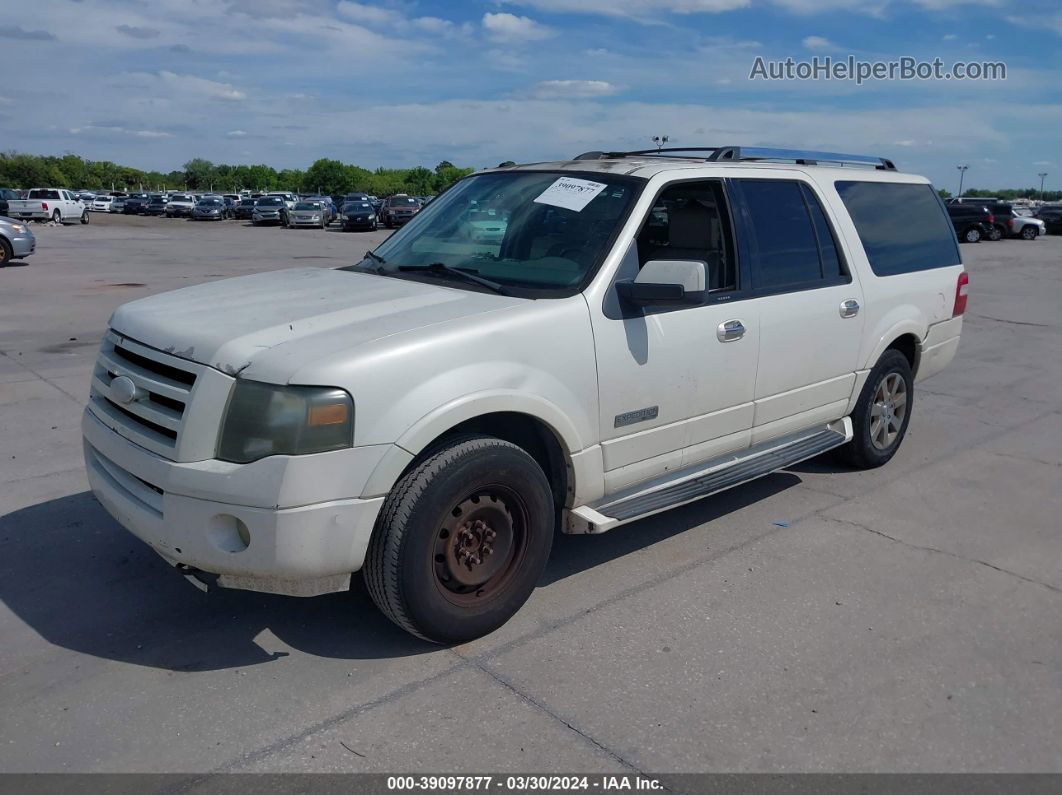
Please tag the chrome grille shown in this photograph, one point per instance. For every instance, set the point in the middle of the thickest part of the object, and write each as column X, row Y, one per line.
column 154, row 418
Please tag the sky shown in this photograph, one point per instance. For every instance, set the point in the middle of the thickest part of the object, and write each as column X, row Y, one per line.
column 397, row 83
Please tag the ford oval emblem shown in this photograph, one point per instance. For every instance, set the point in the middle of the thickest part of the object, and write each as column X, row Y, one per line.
column 123, row 390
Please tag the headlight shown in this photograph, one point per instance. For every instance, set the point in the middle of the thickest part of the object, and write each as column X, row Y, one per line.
column 266, row 419
column 19, row 228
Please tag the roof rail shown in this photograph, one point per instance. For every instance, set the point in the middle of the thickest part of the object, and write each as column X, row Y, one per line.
column 721, row 154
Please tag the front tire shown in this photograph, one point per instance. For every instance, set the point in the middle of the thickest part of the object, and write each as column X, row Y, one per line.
column 6, row 252
column 84, row 217
column 461, row 540
column 882, row 413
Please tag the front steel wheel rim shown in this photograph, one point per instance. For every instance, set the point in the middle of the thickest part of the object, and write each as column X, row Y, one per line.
column 888, row 411
column 479, row 546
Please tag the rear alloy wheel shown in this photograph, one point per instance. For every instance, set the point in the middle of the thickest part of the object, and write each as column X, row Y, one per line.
column 461, row 540
column 973, row 235
column 883, row 412
column 1028, row 232
column 57, row 218
column 995, row 233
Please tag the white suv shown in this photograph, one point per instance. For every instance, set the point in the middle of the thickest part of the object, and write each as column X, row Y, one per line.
column 645, row 330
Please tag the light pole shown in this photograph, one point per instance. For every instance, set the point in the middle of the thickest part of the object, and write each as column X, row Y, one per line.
column 660, row 140
column 1042, row 175
column 962, row 173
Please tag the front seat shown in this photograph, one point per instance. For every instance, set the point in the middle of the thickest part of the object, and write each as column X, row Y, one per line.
column 690, row 236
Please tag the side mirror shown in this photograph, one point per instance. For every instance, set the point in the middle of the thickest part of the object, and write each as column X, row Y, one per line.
column 666, row 282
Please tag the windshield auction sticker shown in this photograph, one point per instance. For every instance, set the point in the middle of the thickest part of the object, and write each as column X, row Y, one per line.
column 571, row 193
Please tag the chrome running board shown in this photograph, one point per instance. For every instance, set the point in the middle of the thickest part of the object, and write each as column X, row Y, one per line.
column 706, row 479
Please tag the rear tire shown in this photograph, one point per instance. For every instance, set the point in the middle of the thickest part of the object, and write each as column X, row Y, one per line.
column 461, row 540
column 57, row 218
column 1028, row 233
column 972, row 235
column 882, row 413
column 995, row 233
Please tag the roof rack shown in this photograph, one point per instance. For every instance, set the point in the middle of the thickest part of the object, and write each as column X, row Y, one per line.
column 730, row 154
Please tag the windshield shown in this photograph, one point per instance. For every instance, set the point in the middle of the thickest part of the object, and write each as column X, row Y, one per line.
column 359, row 205
column 401, row 201
column 308, row 206
column 270, row 201
column 210, row 202
column 248, row 202
column 543, row 233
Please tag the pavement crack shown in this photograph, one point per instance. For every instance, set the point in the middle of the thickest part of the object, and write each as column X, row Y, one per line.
column 523, row 696
column 1011, row 322
column 939, row 551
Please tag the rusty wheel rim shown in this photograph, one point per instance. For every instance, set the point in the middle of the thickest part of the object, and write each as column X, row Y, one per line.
column 479, row 545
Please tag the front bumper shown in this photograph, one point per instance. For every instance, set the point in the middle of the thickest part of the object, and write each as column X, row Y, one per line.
column 22, row 245
column 294, row 220
column 303, row 550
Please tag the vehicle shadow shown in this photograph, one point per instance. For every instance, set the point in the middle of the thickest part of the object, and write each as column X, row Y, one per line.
column 73, row 575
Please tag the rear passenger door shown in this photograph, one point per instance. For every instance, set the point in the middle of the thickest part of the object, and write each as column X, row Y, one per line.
column 810, row 307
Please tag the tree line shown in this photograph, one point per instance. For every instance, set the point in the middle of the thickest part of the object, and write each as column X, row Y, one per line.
column 19, row 170
column 1006, row 194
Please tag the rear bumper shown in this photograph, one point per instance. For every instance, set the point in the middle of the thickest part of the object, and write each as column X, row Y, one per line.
column 301, row 551
column 939, row 347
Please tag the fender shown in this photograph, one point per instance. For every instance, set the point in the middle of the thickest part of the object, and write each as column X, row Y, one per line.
column 896, row 323
column 437, row 422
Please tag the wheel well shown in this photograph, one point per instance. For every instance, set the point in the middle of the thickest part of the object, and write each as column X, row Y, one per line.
column 907, row 344
column 526, row 432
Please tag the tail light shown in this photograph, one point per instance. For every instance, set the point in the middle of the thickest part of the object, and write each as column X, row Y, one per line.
column 44, row 205
column 991, row 218
column 960, row 294
column 1010, row 223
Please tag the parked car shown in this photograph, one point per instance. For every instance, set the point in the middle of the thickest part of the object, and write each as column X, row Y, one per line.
column 1009, row 223
column 211, row 208
column 44, row 204
column 16, row 240
column 398, row 209
column 117, row 204
column 432, row 413
column 1052, row 219
column 136, row 203
column 102, row 203
column 157, row 204
column 971, row 221
column 180, row 205
column 308, row 213
column 5, row 194
column 358, row 214
column 289, row 198
column 245, row 208
column 270, row 210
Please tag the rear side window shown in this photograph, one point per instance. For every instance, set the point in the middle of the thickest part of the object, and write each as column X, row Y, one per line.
column 903, row 227
column 792, row 244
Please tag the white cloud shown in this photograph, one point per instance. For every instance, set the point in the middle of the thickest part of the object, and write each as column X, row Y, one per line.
column 116, row 130
column 555, row 89
column 635, row 8
column 818, row 43
column 949, row 37
column 236, row 134
column 369, row 15
column 210, row 89
column 505, row 27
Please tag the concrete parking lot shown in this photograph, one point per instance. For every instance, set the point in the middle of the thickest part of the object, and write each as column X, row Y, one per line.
column 902, row 619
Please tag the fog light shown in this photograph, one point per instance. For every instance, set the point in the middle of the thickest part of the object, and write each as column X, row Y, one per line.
column 229, row 534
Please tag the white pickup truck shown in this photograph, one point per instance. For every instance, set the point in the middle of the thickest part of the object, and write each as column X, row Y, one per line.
column 643, row 330
column 44, row 204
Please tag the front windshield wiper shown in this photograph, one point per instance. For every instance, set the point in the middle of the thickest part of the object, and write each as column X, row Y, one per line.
column 380, row 262
column 468, row 274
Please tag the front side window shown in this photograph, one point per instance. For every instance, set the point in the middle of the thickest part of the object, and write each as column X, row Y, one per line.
column 782, row 234
column 532, row 233
column 690, row 221
column 903, row 226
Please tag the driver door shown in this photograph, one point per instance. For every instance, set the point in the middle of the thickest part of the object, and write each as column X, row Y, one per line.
column 677, row 383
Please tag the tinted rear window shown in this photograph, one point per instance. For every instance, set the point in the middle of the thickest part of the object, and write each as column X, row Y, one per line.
column 903, row 227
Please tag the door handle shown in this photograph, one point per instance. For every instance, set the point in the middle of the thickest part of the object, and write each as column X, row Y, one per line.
column 849, row 308
column 730, row 330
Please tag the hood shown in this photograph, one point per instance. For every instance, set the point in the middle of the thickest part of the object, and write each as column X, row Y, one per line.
column 309, row 312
